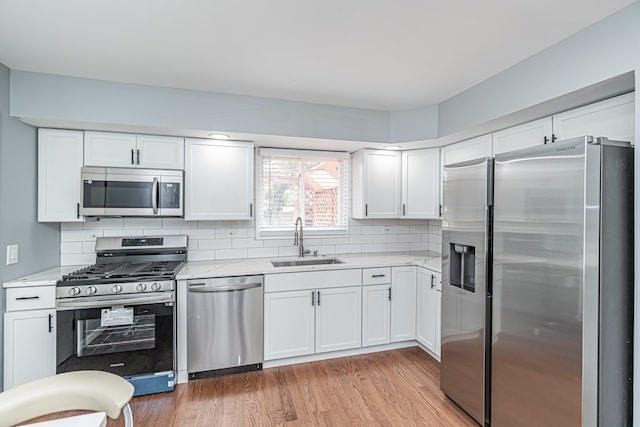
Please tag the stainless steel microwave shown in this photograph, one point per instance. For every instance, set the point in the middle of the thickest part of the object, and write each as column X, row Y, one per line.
column 131, row 192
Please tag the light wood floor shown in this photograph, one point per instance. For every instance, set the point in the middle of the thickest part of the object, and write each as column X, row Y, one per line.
column 391, row 388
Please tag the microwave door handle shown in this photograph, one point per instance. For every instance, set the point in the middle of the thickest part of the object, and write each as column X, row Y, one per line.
column 154, row 196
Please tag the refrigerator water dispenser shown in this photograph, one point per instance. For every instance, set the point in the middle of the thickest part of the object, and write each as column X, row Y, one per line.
column 462, row 267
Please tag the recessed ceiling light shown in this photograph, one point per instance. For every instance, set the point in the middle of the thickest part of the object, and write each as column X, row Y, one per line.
column 219, row 136
column 392, row 147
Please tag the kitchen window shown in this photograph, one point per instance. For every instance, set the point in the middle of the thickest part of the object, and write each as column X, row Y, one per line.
column 312, row 185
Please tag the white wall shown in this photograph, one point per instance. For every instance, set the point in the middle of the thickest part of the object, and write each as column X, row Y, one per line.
column 218, row 240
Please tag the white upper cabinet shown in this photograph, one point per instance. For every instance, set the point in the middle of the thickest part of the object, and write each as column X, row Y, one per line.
column 159, row 152
column 470, row 149
column 60, row 157
column 218, row 180
column 613, row 118
column 538, row 132
column 376, row 176
column 421, row 183
column 124, row 150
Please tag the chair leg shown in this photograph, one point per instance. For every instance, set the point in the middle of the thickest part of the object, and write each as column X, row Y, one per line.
column 128, row 416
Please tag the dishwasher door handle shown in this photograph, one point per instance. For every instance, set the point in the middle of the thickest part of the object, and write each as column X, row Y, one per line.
column 203, row 287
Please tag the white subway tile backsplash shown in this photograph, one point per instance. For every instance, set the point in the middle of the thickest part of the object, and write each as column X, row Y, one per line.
column 89, row 247
column 231, row 253
column 122, row 233
column 212, row 240
column 385, row 238
column 246, row 243
column 348, row 249
column 77, row 259
column 72, row 236
column 262, row 252
column 70, row 247
column 201, row 255
column 214, row 244
column 143, row 223
column 103, row 224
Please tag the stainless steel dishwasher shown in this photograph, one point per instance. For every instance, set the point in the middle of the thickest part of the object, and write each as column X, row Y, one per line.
column 224, row 325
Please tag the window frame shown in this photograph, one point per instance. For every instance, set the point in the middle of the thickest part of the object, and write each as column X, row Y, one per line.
column 287, row 232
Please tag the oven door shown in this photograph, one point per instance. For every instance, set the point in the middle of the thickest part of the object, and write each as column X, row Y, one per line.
column 131, row 192
column 126, row 336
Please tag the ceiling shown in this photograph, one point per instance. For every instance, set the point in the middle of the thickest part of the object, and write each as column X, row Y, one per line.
column 373, row 54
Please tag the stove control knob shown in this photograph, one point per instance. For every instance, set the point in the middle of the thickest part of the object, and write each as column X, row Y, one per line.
column 116, row 289
column 141, row 287
column 74, row 291
column 91, row 290
column 156, row 286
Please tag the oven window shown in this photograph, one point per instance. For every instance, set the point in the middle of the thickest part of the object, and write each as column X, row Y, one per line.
column 117, row 194
column 144, row 346
column 93, row 338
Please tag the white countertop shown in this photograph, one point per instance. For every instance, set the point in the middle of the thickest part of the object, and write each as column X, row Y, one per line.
column 241, row 267
column 43, row 278
column 205, row 269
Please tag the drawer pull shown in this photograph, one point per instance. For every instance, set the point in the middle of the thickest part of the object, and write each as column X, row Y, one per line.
column 379, row 275
column 25, row 298
column 50, row 323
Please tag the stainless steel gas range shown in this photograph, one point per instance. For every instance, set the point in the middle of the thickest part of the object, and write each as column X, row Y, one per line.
column 118, row 315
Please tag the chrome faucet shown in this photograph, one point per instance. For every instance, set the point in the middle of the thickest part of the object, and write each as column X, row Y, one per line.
column 298, row 238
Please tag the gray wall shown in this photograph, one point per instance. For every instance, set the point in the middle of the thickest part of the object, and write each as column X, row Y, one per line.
column 39, row 243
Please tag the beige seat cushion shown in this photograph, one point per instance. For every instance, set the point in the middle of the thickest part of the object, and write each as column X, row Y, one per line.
column 81, row 390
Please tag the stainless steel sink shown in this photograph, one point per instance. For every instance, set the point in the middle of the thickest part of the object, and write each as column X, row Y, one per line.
column 306, row 261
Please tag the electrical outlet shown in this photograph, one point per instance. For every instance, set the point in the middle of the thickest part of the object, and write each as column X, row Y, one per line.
column 12, row 254
column 387, row 230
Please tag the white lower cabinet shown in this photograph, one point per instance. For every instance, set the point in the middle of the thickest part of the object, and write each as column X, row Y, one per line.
column 289, row 324
column 312, row 319
column 389, row 309
column 338, row 319
column 429, row 306
column 29, row 346
column 376, row 314
column 403, row 303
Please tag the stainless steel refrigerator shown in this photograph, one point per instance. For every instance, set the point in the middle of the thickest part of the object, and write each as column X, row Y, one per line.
column 558, row 257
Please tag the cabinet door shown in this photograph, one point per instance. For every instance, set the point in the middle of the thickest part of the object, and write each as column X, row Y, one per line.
column 109, row 149
column 438, row 320
column 376, row 314
column 29, row 346
column 289, row 324
column 218, row 180
column 428, row 310
column 421, row 183
column 538, row 132
column 470, row 149
column 613, row 118
column 376, row 184
column 159, row 152
column 60, row 157
column 403, row 303
column 338, row 318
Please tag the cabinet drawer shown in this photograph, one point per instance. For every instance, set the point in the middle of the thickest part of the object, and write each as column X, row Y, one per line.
column 311, row 280
column 376, row 276
column 31, row 298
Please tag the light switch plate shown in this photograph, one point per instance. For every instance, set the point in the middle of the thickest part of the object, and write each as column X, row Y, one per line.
column 12, row 254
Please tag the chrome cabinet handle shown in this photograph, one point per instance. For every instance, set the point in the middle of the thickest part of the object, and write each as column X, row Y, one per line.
column 132, row 162
column 24, row 298
column 389, row 293
column 404, row 210
column 77, row 210
column 432, row 277
column 378, row 275
column 250, row 210
column 366, row 210
column 318, row 298
column 138, row 157
column 313, row 298
column 50, row 323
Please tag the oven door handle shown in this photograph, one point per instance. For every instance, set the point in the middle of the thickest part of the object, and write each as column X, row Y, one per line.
column 202, row 287
column 101, row 302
